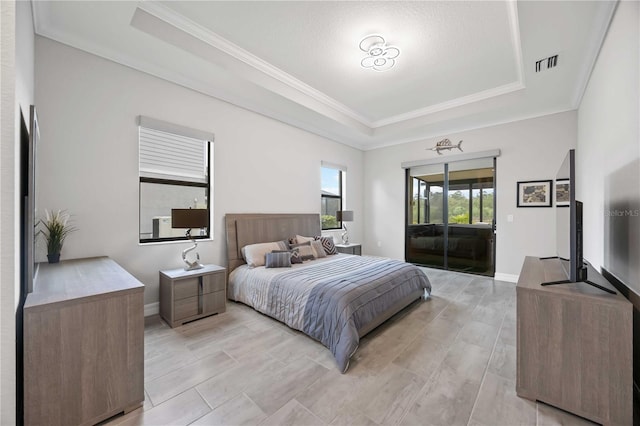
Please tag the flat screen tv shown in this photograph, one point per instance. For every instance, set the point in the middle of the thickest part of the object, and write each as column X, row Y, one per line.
column 569, row 229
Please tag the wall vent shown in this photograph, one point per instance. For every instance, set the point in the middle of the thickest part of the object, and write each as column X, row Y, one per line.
column 547, row 63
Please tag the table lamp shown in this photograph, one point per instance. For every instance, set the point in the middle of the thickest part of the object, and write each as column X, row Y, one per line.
column 344, row 216
column 188, row 219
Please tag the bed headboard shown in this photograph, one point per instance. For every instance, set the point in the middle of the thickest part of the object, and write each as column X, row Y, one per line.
column 252, row 228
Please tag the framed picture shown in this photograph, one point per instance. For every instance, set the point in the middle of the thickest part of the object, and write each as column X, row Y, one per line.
column 562, row 193
column 535, row 193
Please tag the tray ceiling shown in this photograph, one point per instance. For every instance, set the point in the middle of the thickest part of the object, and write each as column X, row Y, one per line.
column 462, row 65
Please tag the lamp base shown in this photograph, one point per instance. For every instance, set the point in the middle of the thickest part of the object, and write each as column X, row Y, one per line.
column 345, row 236
column 196, row 263
column 192, row 266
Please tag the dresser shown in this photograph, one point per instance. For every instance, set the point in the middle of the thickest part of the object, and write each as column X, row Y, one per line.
column 190, row 295
column 83, row 343
column 574, row 344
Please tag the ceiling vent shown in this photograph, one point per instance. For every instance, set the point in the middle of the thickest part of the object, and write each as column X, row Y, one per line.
column 547, row 63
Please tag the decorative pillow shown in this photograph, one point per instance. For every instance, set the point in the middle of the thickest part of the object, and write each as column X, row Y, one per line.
column 318, row 249
column 327, row 244
column 254, row 254
column 305, row 250
column 278, row 260
column 300, row 239
column 295, row 255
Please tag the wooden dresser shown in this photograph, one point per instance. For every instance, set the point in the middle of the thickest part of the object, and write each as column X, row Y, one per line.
column 574, row 344
column 83, row 343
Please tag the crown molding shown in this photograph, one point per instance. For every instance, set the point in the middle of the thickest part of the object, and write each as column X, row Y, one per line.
column 595, row 45
column 516, row 43
column 454, row 103
column 209, row 37
column 459, row 129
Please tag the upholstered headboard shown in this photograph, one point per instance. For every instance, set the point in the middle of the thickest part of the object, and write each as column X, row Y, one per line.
column 252, row 228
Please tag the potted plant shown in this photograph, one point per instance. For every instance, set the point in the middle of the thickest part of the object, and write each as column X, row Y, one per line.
column 56, row 228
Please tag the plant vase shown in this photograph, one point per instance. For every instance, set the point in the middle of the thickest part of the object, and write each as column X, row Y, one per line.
column 53, row 257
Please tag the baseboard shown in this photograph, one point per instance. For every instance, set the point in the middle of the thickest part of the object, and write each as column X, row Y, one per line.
column 151, row 309
column 506, row 277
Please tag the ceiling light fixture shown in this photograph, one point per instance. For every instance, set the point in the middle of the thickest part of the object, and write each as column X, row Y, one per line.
column 380, row 56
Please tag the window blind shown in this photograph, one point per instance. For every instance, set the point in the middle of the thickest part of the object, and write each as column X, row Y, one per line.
column 168, row 155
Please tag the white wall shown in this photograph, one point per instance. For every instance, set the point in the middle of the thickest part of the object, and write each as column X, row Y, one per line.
column 17, row 84
column 531, row 150
column 608, row 151
column 88, row 159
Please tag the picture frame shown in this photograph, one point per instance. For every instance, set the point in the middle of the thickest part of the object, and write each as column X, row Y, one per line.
column 535, row 193
column 562, row 193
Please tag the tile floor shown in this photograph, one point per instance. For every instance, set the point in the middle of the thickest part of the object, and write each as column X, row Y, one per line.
column 450, row 360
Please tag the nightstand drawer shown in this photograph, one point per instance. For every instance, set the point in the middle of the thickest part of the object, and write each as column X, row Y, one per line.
column 349, row 248
column 185, row 308
column 213, row 282
column 214, row 302
column 186, row 287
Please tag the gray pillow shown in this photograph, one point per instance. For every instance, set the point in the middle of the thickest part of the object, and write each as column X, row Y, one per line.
column 295, row 255
column 278, row 260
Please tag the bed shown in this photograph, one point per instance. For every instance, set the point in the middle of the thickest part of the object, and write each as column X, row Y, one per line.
column 335, row 299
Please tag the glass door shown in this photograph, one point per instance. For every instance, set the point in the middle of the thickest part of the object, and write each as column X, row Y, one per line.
column 425, row 236
column 450, row 221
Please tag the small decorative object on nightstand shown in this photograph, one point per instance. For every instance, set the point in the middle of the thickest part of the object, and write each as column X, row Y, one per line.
column 190, row 295
column 349, row 248
column 345, row 216
column 188, row 219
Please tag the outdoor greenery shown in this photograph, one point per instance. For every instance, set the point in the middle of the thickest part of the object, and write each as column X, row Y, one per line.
column 329, row 222
column 458, row 207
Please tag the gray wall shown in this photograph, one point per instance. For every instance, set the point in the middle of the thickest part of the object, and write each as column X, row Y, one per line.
column 531, row 149
column 608, row 151
column 17, row 86
column 88, row 159
column 608, row 160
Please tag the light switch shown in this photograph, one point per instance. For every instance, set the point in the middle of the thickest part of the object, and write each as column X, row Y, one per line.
column 509, row 218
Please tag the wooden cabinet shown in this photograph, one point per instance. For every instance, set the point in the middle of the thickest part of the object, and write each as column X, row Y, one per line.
column 349, row 248
column 574, row 344
column 83, row 343
column 189, row 295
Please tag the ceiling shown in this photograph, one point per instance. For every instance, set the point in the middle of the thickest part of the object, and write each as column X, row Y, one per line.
column 463, row 64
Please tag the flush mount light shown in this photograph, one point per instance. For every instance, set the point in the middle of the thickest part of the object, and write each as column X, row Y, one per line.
column 380, row 56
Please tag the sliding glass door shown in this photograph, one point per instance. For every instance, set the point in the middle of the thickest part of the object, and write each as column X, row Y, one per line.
column 450, row 216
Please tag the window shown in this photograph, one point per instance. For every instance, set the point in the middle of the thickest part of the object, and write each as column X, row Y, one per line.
column 174, row 173
column 331, row 195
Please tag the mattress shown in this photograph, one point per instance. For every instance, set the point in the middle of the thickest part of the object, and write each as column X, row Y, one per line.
column 333, row 299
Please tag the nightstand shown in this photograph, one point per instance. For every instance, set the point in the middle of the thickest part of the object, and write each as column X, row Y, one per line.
column 349, row 248
column 190, row 295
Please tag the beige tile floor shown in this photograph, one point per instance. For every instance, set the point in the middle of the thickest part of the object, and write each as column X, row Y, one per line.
column 450, row 360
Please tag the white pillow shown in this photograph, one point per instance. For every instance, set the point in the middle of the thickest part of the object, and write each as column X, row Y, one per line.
column 300, row 239
column 255, row 254
column 318, row 249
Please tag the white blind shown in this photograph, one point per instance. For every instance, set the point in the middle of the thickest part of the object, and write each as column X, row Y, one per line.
column 167, row 155
column 333, row 166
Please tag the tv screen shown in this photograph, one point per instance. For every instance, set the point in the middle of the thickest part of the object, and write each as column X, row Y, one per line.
column 569, row 221
column 565, row 237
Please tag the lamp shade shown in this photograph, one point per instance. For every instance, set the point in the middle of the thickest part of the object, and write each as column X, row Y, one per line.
column 189, row 218
column 344, row 215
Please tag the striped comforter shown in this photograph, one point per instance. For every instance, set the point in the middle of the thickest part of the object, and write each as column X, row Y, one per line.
column 330, row 299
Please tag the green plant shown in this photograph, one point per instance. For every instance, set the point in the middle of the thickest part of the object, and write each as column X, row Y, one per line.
column 329, row 222
column 56, row 229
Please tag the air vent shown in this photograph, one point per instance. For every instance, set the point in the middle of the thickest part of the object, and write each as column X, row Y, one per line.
column 547, row 63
